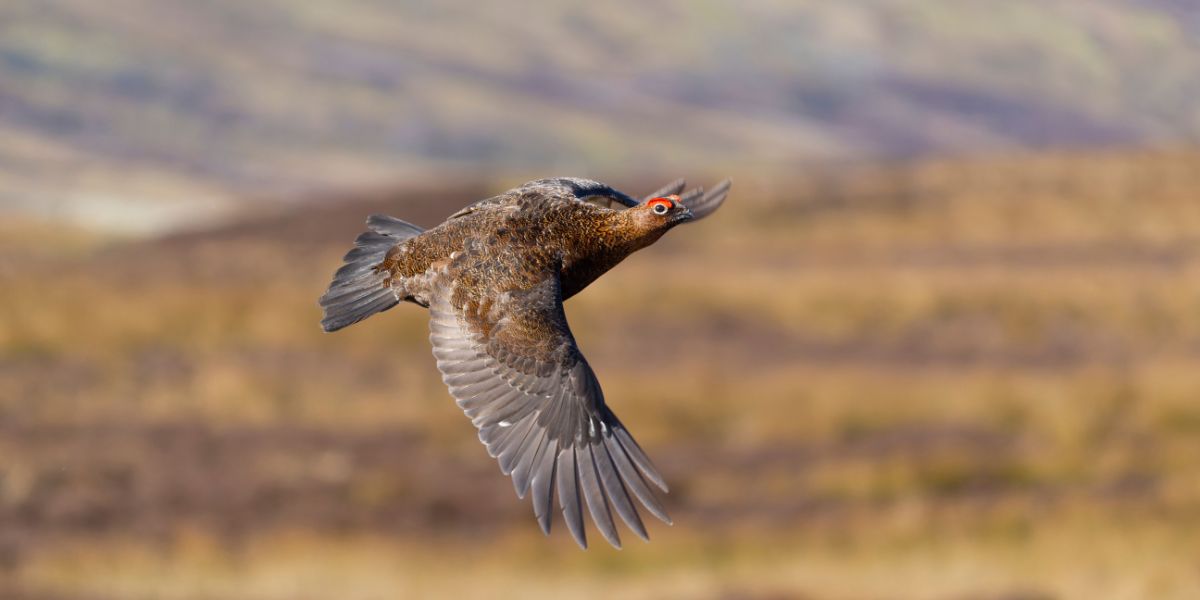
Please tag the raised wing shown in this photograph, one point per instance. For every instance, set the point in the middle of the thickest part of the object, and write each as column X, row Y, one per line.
column 513, row 366
column 702, row 203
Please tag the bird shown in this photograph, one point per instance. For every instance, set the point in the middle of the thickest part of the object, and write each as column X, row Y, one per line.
column 493, row 277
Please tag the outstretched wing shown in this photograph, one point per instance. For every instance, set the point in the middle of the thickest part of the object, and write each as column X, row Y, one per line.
column 513, row 366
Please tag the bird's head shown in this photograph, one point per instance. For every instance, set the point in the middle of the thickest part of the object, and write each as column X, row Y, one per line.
column 657, row 215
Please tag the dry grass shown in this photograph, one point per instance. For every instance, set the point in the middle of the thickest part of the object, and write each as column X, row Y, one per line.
column 969, row 379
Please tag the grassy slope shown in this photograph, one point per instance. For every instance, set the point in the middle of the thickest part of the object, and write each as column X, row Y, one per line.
column 935, row 380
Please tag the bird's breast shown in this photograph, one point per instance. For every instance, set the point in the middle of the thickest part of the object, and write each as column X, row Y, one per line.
column 581, row 272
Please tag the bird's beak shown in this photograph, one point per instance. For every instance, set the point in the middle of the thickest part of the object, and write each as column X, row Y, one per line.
column 686, row 215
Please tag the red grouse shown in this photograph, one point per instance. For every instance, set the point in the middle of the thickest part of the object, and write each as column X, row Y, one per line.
column 494, row 276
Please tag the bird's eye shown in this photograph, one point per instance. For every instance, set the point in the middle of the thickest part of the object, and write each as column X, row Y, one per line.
column 660, row 206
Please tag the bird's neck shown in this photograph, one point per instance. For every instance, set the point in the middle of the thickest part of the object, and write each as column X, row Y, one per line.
column 613, row 238
column 624, row 233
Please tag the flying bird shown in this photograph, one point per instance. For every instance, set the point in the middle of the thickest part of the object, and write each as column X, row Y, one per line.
column 494, row 276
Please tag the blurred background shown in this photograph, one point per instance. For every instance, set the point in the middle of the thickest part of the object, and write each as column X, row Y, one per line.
column 943, row 341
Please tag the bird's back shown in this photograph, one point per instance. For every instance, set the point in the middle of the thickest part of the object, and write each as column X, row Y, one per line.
column 509, row 241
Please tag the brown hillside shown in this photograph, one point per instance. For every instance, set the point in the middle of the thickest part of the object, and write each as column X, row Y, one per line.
column 974, row 378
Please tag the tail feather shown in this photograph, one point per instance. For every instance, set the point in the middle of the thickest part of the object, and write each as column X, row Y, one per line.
column 358, row 290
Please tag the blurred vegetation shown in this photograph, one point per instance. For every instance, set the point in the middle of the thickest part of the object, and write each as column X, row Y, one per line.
column 944, row 379
column 140, row 114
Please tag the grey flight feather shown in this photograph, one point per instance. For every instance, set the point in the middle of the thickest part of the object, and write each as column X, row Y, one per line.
column 708, row 203
column 546, row 419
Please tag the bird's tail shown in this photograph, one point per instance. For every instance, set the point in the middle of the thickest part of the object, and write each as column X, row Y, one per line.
column 358, row 289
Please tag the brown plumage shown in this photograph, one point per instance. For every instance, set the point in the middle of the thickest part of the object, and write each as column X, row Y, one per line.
column 494, row 276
